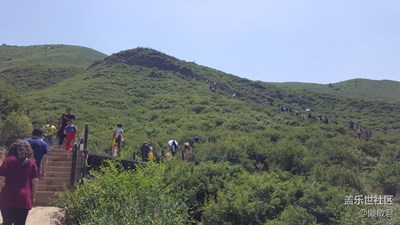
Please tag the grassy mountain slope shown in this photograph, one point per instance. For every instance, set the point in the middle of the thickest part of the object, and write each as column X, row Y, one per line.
column 144, row 86
column 382, row 90
column 158, row 98
column 36, row 67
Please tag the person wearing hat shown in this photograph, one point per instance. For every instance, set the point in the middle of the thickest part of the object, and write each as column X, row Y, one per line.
column 70, row 131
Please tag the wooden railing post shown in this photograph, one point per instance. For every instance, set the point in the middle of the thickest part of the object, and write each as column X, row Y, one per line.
column 73, row 165
column 85, row 138
column 85, row 151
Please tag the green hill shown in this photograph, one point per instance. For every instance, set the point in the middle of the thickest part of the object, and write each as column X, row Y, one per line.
column 36, row 67
column 254, row 163
column 382, row 90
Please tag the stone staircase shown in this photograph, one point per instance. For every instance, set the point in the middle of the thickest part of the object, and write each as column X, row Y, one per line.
column 57, row 177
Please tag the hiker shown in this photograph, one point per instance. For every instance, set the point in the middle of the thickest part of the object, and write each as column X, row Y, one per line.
column 118, row 138
column 351, row 124
column 64, row 118
column 150, row 154
column 319, row 116
column 71, row 132
column 49, row 131
column 213, row 87
column 326, row 120
column 21, row 183
column 145, row 151
column 173, row 145
column 308, row 113
column 359, row 131
column 185, row 152
column 196, row 139
column 40, row 150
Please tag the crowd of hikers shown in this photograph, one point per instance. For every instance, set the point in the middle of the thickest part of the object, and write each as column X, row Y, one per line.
column 147, row 151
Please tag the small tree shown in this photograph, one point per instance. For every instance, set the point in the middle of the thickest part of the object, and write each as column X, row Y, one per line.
column 16, row 126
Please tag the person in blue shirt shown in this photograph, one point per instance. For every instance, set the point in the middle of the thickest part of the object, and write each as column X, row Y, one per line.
column 40, row 150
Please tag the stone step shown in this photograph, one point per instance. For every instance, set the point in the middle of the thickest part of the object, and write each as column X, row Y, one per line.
column 58, row 163
column 45, row 198
column 58, row 174
column 54, row 181
column 54, row 187
column 59, row 168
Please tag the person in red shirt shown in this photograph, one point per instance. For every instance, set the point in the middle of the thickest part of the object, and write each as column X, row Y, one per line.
column 70, row 132
column 64, row 119
column 21, row 183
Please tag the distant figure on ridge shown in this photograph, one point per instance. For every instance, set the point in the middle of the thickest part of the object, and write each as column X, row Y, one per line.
column 359, row 131
column 213, row 87
column 326, row 120
column 185, row 152
column 308, row 113
column 351, row 124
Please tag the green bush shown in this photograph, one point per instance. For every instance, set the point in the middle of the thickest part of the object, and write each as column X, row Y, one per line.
column 16, row 126
column 337, row 176
column 294, row 215
column 115, row 196
column 252, row 199
column 195, row 183
column 387, row 172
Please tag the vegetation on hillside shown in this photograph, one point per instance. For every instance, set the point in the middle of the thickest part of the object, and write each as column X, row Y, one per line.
column 37, row 67
column 380, row 90
column 14, row 123
column 254, row 164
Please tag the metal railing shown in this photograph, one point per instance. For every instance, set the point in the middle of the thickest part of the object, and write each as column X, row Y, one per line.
column 82, row 146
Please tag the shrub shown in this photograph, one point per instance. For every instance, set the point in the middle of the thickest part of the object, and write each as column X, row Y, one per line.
column 16, row 126
column 114, row 196
column 294, row 215
column 337, row 176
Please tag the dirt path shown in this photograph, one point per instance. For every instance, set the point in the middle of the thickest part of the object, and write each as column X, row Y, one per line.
column 42, row 216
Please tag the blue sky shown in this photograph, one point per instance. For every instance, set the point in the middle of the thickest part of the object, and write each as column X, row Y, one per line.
column 313, row 41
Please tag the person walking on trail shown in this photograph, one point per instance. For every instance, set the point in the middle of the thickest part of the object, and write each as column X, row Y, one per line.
column 49, row 131
column 359, row 131
column 70, row 132
column 21, row 183
column 308, row 113
column 40, row 150
column 118, row 138
column 185, row 152
column 173, row 145
column 351, row 124
column 150, row 155
column 64, row 118
column 145, row 149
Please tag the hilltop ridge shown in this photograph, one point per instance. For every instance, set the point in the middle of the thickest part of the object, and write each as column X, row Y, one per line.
column 41, row 66
column 379, row 90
